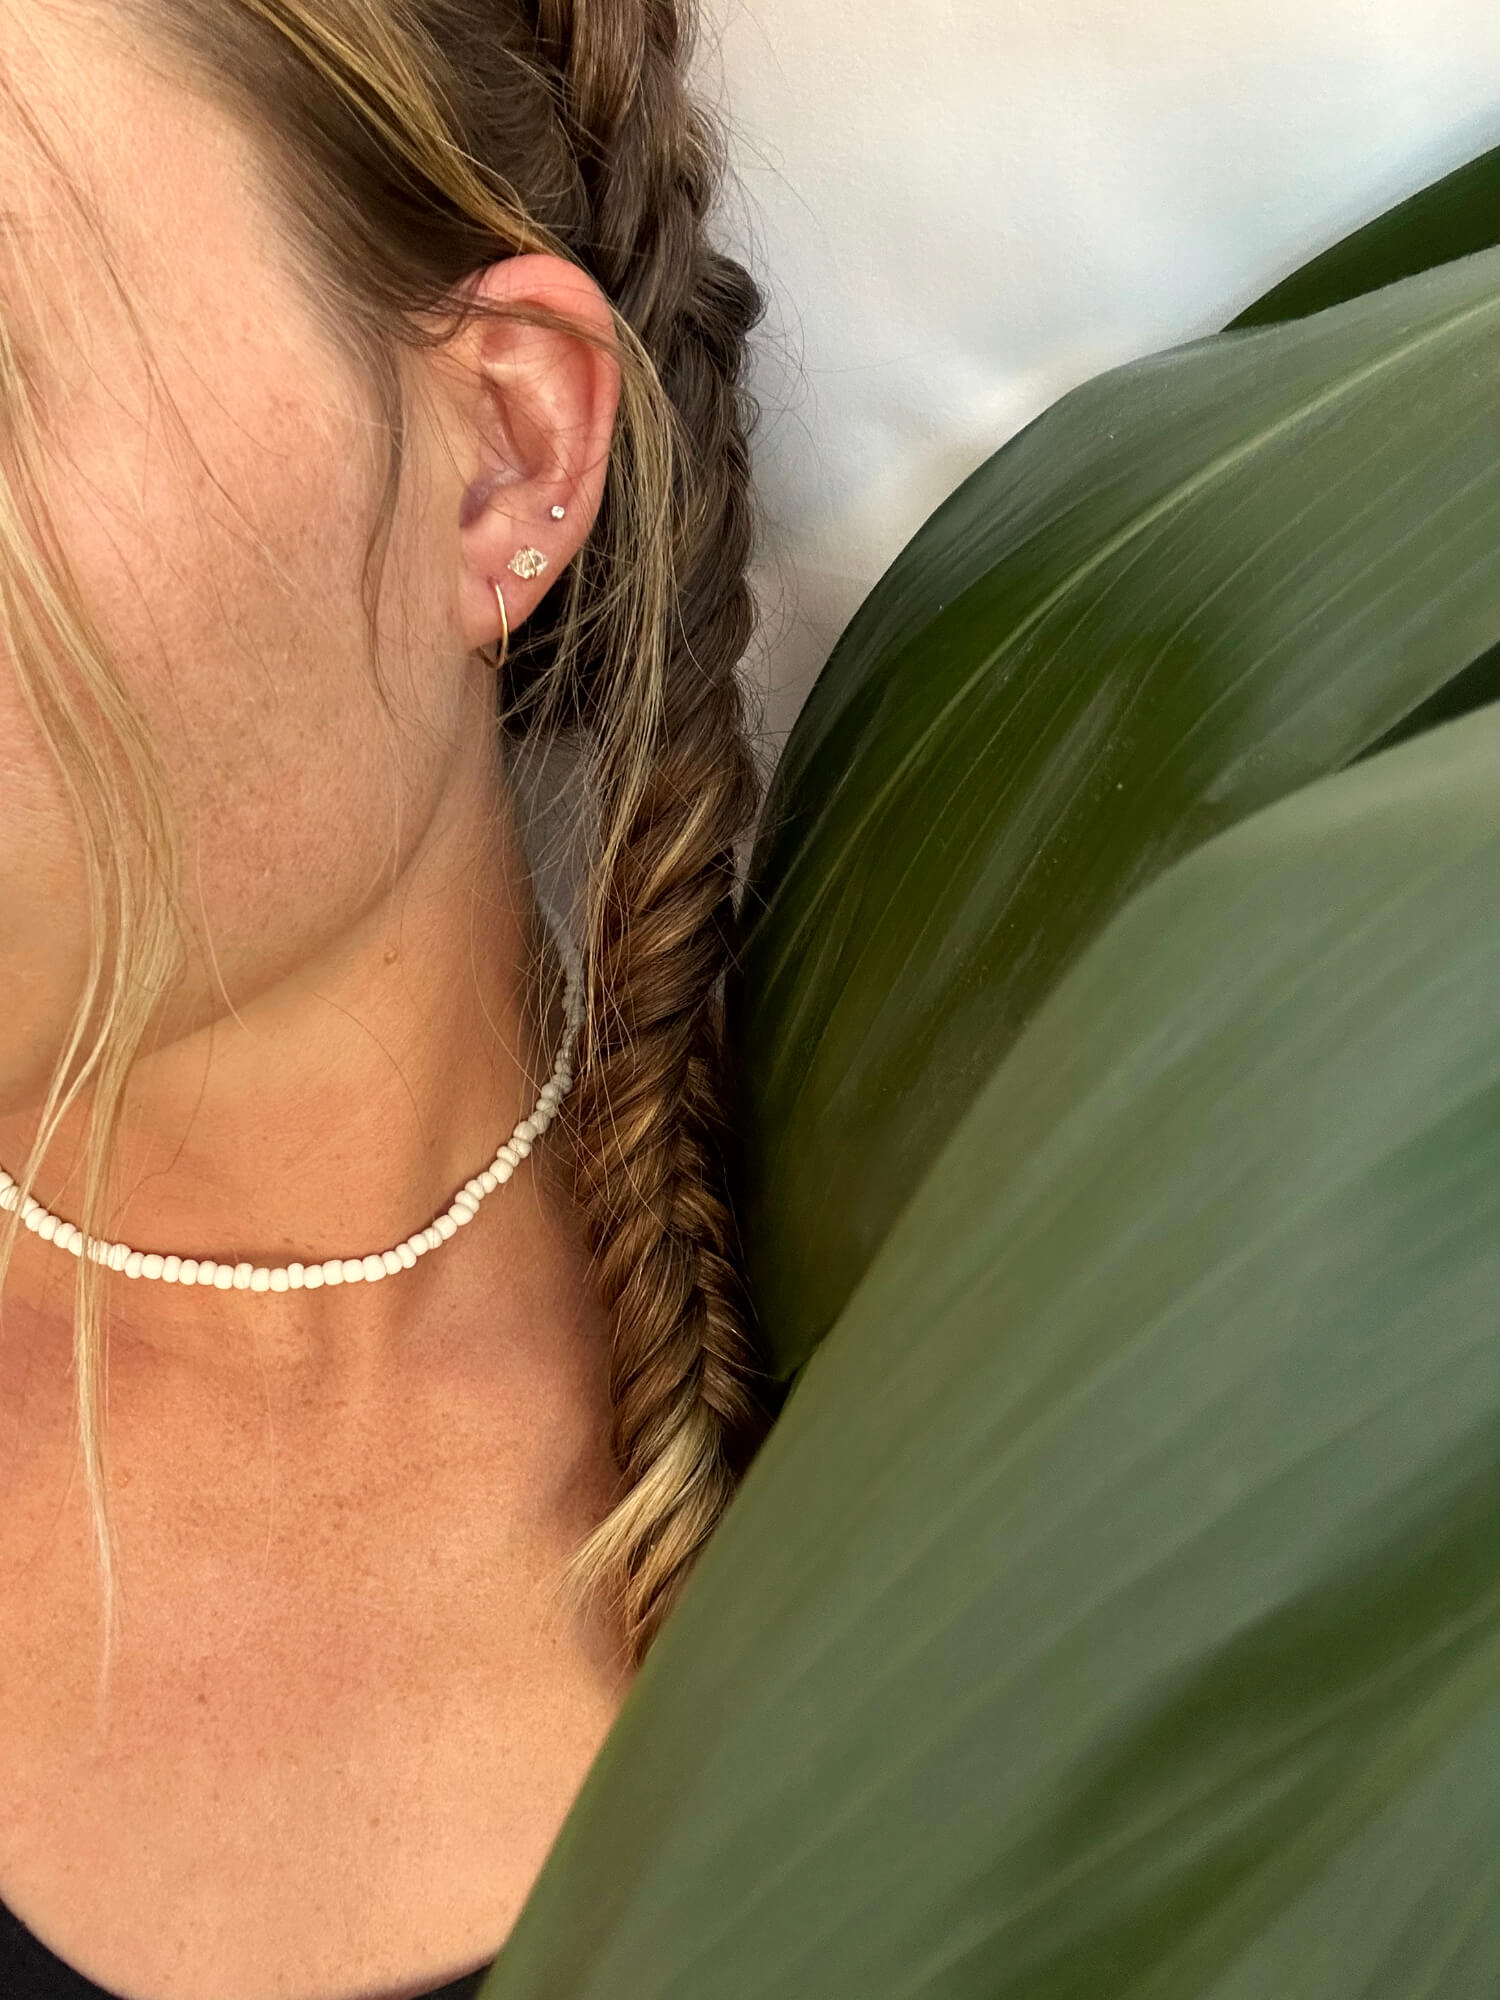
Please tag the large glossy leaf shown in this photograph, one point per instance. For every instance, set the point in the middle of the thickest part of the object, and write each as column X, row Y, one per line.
column 1193, row 585
column 1451, row 219
column 1454, row 217
column 1115, row 1608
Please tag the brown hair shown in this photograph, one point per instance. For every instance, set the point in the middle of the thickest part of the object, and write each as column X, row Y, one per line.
column 408, row 144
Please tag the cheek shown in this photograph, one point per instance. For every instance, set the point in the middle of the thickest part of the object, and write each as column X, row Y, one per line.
column 298, row 800
column 301, row 801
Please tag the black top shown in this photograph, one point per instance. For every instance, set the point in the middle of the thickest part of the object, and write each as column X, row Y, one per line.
column 28, row 1971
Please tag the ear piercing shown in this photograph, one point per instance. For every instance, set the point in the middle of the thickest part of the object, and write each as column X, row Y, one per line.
column 527, row 563
column 502, row 651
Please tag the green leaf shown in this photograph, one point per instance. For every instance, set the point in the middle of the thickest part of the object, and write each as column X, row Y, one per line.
column 1193, row 585
column 1114, row 1609
column 1454, row 217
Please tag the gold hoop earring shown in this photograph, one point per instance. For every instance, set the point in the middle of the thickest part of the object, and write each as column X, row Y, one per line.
column 503, row 653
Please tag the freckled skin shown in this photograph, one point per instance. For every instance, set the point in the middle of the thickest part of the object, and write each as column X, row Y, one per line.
column 354, row 1037
column 348, row 1716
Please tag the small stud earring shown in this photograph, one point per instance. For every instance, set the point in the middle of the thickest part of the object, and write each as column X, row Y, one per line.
column 558, row 513
column 527, row 563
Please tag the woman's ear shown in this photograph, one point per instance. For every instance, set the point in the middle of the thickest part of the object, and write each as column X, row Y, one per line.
column 537, row 408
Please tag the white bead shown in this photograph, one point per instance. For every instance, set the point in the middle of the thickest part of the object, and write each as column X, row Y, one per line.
column 348, row 1270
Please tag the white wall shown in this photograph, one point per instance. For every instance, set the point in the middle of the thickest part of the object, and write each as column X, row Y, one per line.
column 963, row 208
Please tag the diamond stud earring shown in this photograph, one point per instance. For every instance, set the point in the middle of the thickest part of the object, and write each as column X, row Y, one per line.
column 527, row 563
column 558, row 513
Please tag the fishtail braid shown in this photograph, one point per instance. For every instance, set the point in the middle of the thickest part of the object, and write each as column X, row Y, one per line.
column 407, row 144
column 690, row 1403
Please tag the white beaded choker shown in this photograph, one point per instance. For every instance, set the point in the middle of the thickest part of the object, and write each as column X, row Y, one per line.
column 338, row 1270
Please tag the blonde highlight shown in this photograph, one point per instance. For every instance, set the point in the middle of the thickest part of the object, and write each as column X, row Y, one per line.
column 397, row 137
